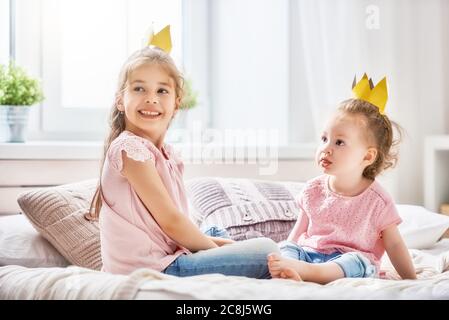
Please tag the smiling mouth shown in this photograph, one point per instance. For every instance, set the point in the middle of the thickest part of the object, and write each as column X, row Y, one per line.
column 149, row 114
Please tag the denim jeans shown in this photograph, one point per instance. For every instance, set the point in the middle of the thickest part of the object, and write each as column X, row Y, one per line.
column 246, row 258
column 353, row 264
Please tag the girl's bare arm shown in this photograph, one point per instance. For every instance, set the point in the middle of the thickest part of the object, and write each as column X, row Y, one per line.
column 145, row 180
column 398, row 252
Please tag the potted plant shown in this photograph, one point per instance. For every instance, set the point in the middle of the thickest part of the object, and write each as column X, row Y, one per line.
column 189, row 101
column 18, row 92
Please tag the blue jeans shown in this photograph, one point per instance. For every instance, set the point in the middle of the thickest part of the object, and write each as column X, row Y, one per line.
column 246, row 258
column 353, row 264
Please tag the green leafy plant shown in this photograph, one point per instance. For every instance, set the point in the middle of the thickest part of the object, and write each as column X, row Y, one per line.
column 190, row 99
column 17, row 88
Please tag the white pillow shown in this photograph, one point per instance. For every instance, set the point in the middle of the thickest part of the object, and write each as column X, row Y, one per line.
column 420, row 227
column 21, row 244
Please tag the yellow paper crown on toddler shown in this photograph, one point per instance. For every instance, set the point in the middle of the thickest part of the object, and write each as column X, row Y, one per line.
column 376, row 95
column 162, row 39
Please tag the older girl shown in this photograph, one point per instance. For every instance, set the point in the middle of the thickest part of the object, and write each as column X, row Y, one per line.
column 141, row 201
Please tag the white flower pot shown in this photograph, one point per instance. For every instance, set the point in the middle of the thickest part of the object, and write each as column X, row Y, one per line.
column 15, row 119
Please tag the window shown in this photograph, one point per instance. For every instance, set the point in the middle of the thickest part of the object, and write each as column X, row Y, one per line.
column 250, row 65
column 238, row 54
column 83, row 45
column 244, row 60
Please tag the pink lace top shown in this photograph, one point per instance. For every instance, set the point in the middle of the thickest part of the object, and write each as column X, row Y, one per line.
column 329, row 222
column 130, row 237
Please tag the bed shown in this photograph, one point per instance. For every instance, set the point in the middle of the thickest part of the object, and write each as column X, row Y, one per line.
column 45, row 254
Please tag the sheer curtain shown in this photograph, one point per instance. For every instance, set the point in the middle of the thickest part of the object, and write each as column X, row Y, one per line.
column 336, row 42
column 408, row 41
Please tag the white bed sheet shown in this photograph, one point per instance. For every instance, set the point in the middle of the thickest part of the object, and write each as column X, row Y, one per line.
column 18, row 282
column 432, row 266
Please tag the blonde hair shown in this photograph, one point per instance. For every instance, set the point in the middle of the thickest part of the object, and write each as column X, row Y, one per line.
column 141, row 57
column 380, row 132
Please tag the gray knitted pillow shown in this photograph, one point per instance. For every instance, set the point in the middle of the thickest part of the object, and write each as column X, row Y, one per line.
column 57, row 213
column 246, row 208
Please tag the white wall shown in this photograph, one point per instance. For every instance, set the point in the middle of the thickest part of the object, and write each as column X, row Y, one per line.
column 421, row 101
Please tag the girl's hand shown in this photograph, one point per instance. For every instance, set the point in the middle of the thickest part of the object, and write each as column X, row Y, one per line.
column 221, row 241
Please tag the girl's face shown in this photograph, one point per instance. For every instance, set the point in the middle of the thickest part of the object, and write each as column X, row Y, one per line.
column 149, row 102
column 344, row 150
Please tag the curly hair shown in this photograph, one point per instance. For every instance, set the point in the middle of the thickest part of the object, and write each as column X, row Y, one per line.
column 380, row 131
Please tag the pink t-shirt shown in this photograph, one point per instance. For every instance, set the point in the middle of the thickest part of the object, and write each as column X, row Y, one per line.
column 329, row 222
column 130, row 237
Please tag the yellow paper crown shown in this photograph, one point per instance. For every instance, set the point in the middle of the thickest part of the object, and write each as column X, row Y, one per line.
column 365, row 90
column 162, row 39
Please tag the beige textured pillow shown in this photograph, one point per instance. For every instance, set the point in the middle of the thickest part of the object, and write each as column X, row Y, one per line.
column 57, row 213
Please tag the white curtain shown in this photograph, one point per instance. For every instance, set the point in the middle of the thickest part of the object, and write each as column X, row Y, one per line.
column 406, row 40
